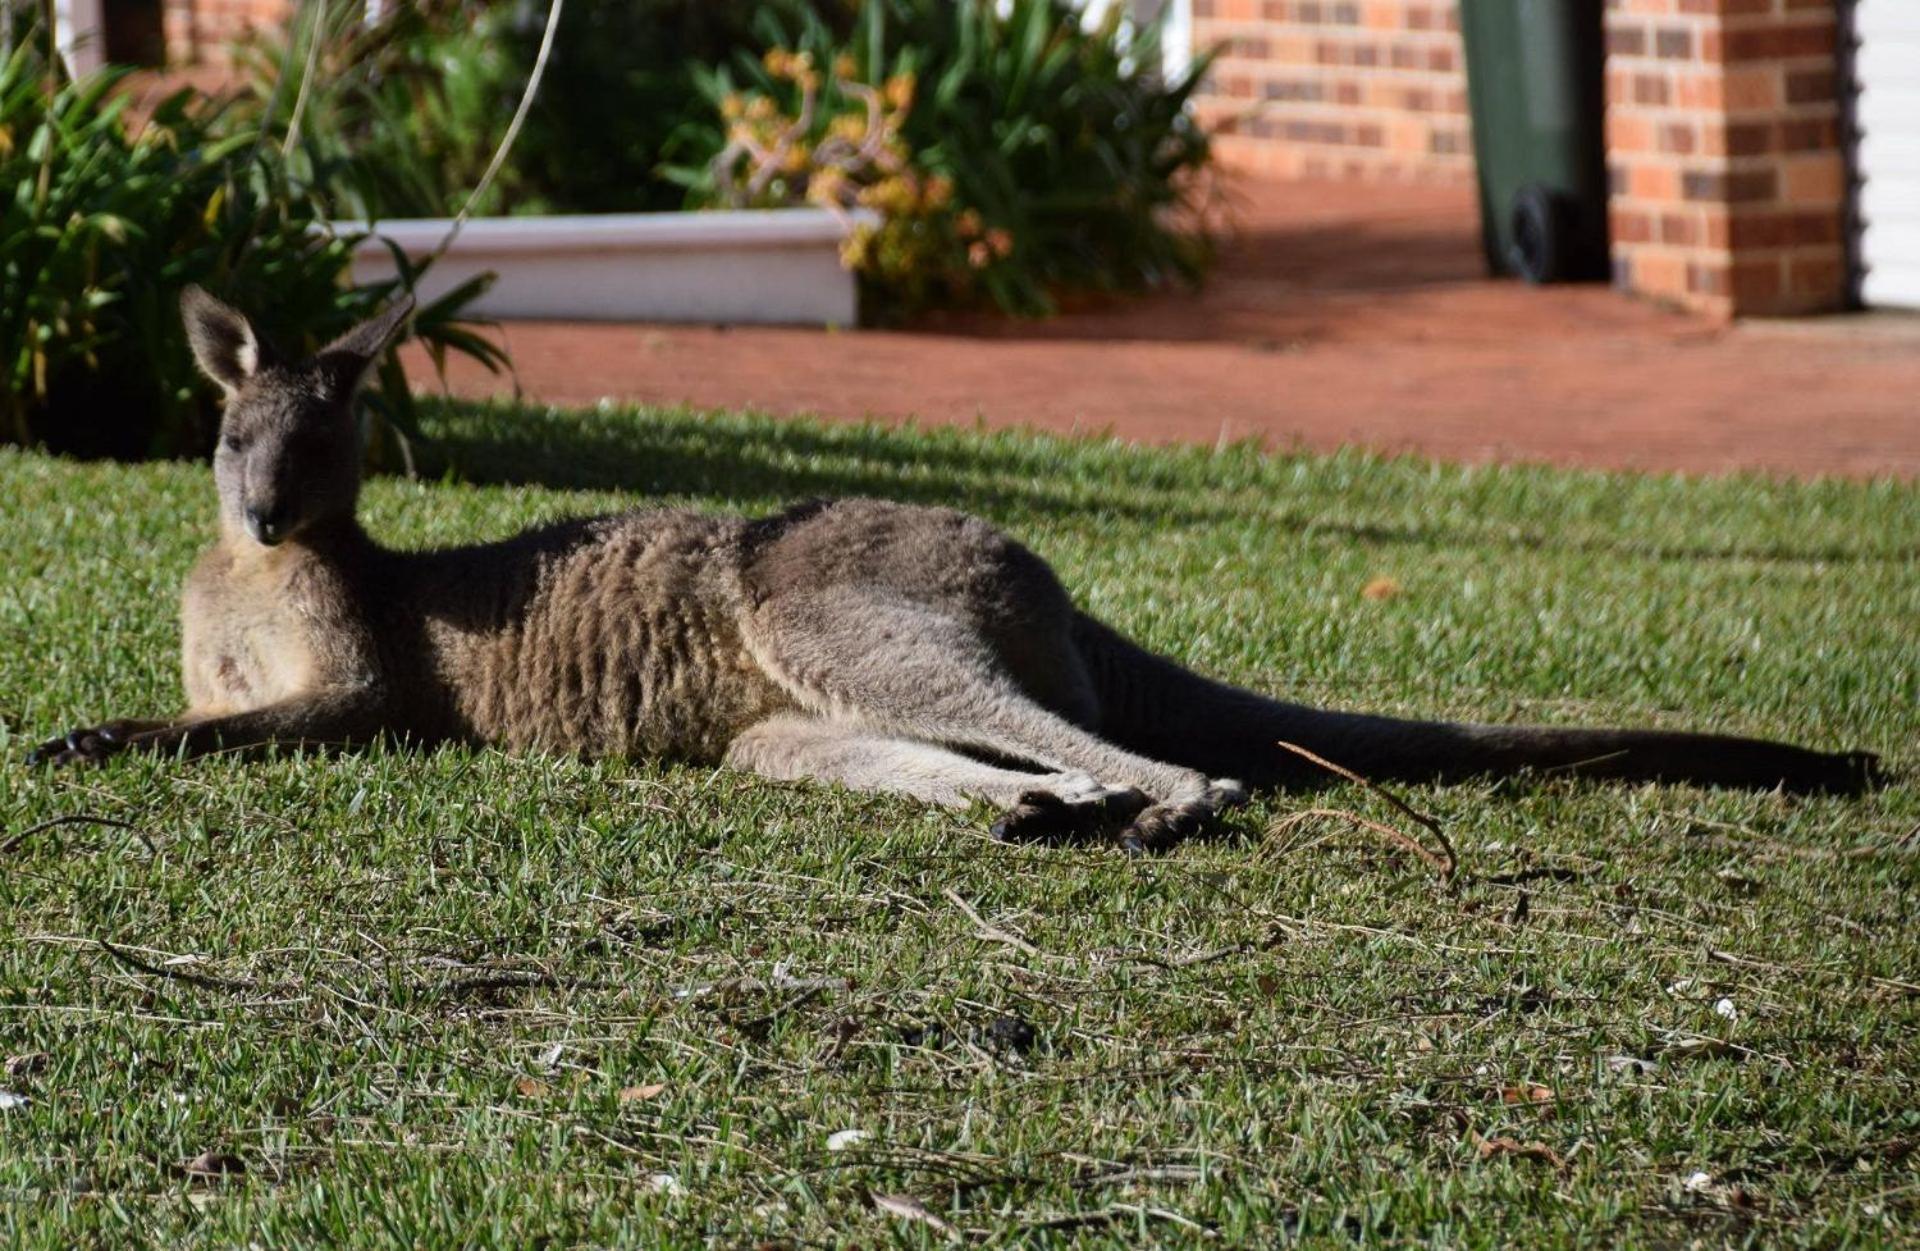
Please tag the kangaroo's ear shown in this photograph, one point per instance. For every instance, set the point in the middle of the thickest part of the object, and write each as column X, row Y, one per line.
column 222, row 339
column 356, row 352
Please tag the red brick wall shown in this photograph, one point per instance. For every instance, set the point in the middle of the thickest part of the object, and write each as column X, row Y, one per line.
column 1724, row 147
column 1337, row 88
column 1722, row 127
column 198, row 31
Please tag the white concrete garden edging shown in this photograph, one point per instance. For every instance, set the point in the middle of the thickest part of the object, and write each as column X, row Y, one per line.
column 776, row 265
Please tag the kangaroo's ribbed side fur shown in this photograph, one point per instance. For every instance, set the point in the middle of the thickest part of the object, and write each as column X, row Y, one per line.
column 614, row 636
column 885, row 647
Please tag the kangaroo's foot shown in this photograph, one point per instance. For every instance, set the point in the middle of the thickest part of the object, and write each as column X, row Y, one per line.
column 1166, row 825
column 91, row 745
column 1078, row 809
column 1066, row 805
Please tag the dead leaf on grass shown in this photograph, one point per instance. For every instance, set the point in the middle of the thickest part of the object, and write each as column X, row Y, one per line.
column 640, row 1094
column 28, row 1064
column 908, row 1208
column 213, row 1166
column 1706, row 1186
column 532, row 1087
column 1380, row 588
column 1528, row 1094
column 1696, row 1047
column 1490, row 1148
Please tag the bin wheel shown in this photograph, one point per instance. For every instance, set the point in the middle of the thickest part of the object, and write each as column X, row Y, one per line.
column 1541, row 236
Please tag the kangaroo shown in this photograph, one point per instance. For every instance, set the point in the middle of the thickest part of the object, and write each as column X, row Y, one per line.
column 882, row 646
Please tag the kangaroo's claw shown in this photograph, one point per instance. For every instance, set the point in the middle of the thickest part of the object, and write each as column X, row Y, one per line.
column 54, row 751
column 84, row 746
column 1041, row 816
column 1165, row 826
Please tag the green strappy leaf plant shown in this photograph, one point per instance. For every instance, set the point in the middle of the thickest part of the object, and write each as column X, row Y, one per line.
column 104, row 220
column 1036, row 154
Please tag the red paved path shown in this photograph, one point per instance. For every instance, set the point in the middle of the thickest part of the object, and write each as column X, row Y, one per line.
column 1339, row 315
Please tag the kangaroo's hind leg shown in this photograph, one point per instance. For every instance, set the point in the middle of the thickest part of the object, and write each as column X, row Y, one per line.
column 915, row 671
column 1064, row 805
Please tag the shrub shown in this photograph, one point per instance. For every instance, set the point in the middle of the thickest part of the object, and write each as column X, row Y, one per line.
column 621, row 90
column 104, row 224
column 398, row 118
column 1011, row 151
column 403, row 115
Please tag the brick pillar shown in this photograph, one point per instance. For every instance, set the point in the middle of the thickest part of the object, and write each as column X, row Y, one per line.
column 199, row 31
column 1371, row 89
column 1723, row 143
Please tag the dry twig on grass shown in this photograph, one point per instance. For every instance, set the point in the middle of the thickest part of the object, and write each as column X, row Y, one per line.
column 986, row 930
column 229, row 985
column 19, row 840
column 1446, row 862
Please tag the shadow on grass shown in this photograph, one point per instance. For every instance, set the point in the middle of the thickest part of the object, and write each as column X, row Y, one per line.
column 999, row 474
column 682, row 454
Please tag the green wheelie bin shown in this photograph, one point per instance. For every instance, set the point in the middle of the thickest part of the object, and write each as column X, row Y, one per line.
column 1536, row 90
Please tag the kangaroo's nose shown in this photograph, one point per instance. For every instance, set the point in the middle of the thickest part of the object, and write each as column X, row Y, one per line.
column 267, row 526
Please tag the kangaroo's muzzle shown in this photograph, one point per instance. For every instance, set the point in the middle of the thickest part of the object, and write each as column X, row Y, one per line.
column 268, row 526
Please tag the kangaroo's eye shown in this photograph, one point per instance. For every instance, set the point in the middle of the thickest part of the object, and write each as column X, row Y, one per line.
column 233, row 443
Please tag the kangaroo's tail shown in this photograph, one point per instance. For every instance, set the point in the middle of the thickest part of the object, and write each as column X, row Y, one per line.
column 1157, row 708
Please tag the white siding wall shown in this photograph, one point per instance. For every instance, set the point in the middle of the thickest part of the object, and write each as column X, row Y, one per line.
column 1887, row 110
column 78, row 31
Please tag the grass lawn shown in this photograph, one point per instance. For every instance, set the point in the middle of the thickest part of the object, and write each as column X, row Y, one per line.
column 405, row 999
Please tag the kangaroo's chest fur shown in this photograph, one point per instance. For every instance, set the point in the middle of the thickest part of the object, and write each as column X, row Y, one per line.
column 258, row 627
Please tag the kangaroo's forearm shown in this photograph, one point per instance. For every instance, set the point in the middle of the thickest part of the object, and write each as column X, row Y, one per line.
column 327, row 720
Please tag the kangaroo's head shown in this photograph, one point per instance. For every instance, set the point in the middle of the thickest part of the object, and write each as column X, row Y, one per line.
column 289, row 453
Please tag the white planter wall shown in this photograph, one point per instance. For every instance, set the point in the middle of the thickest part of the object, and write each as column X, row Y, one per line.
column 776, row 266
